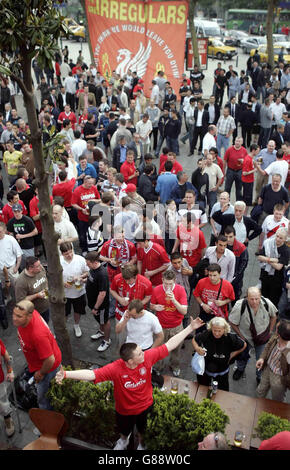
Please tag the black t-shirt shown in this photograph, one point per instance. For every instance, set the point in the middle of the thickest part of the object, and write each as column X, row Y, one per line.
column 23, row 226
column 218, row 350
column 271, row 198
column 98, row 281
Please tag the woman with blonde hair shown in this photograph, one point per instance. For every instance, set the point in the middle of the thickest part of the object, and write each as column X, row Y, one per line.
column 219, row 347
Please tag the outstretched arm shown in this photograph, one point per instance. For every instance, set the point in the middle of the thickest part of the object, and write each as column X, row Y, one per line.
column 175, row 341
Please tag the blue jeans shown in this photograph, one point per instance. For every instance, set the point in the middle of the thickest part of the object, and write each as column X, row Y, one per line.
column 159, row 145
column 222, row 141
column 42, row 388
column 234, row 177
column 242, row 363
column 172, row 144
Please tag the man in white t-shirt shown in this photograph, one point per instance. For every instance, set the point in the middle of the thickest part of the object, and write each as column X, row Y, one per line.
column 272, row 223
column 279, row 166
column 277, row 109
column 191, row 206
column 215, row 179
column 141, row 326
column 209, row 140
column 74, row 274
column 64, row 227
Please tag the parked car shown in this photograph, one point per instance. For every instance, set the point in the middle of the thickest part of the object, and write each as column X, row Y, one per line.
column 280, row 38
column 227, row 38
column 216, row 48
column 75, row 30
column 262, row 50
column 252, row 42
column 238, row 36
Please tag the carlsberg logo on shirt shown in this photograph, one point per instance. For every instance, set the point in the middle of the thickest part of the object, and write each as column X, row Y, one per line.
column 132, row 385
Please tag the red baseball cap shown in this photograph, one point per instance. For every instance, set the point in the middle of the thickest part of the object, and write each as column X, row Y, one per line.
column 131, row 188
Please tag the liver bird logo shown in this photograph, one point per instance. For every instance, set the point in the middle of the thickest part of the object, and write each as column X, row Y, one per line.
column 136, row 64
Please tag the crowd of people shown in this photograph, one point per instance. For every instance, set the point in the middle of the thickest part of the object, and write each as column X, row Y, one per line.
column 131, row 240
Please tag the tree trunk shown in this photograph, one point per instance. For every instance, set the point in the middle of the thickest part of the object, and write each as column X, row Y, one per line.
column 269, row 31
column 55, row 280
column 191, row 8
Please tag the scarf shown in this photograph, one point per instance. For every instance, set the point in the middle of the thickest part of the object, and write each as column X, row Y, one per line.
column 119, row 252
column 271, row 251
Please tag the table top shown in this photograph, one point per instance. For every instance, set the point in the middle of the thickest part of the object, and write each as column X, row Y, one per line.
column 270, row 406
column 240, row 410
column 243, row 411
column 193, row 386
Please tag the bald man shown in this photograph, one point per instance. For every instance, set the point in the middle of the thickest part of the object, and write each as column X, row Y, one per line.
column 263, row 312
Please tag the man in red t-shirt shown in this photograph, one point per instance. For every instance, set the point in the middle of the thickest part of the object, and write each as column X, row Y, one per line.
column 248, row 172
column 213, row 294
column 190, row 240
column 128, row 169
column 80, row 199
column 234, row 158
column 7, row 212
column 127, row 286
column 176, row 165
column 67, row 114
column 152, row 259
column 5, row 407
column 169, row 301
column 65, row 189
column 39, row 347
column 131, row 376
column 118, row 252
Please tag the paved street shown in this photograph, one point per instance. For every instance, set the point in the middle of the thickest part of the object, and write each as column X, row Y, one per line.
column 85, row 349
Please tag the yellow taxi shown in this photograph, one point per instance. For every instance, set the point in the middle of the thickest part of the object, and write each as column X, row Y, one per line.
column 75, row 30
column 263, row 52
column 216, row 48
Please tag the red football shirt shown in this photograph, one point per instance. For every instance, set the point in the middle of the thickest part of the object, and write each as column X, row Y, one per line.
column 71, row 116
column 38, row 343
column 208, row 293
column 175, row 169
column 34, row 210
column 122, row 253
column 128, row 169
column 81, row 196
column 152, row 259
column 142, row 288
column 64, row 190
column 132, row 387
column 232, row 157
column 248, row 165
column 7, row 212
column 192, row 242
column 170, row 317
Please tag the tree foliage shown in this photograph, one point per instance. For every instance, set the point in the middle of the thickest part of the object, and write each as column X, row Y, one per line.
column 31, row 28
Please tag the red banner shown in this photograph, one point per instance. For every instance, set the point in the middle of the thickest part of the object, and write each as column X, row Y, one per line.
column 202, row 51
column 143, row 37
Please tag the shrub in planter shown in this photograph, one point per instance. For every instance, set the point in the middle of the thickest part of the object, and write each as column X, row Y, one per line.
column 178, row 423
column 269, row 425
column 88, row 408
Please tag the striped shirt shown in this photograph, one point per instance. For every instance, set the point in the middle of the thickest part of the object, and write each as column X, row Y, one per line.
column 274, row 360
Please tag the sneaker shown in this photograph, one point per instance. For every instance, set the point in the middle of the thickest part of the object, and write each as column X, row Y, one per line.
column 78, row 331
column 176, row 372
column 140, row 447
column 104, row 345
column 9, row 426
column 122, row 444
column 98, row 335
column 238, row 374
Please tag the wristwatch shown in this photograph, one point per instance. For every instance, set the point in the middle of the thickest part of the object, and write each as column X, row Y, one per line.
column 201, row 304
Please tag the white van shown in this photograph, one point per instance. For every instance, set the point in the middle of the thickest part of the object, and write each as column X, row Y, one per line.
column 206, row 28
